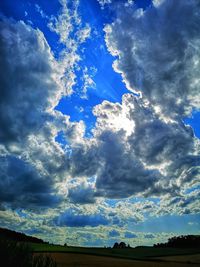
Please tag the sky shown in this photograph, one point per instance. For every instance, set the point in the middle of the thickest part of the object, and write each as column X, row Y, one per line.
column 100, row 120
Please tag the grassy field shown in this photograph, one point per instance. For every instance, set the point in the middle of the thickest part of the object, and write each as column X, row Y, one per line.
column 80, row 260
column 140, row 253
column 194, row 259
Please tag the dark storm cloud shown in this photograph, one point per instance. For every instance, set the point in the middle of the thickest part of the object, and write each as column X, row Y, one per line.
column 21, row 185
column 73, row 219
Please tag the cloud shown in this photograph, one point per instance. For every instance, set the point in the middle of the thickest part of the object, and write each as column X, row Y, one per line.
column 102, row 3
column 113, row 233
column 21, row 185
column 156, row 3
column 149, row 156
column 159, row 140
column 82, row 193
column 149, row 236
column 72, row 219
column 187, row 203
column 26, row 98
column 121, row 175
column 72, row 32
column 141, row 146
column 28, row 122
column 158, row 55
column 130, row 235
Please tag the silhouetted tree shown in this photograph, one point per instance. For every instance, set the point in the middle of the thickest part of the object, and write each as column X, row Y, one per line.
column 121, row 245
column 116, row 245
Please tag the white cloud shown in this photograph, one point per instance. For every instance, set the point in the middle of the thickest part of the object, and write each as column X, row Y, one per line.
column 158, row 55
column 72, row 33
column 156, row 3
column 142, row 146
column 103, row 3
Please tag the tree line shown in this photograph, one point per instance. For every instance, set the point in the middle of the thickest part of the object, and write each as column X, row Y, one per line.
column 19, row 237
column 183, row 241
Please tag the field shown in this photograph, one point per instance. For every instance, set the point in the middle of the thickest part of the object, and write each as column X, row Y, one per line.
column 80, row 260
column 141, row 256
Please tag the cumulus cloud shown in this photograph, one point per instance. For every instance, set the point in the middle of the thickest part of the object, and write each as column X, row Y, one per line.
column 21, row 185
column 142, row 146
column 102, row 3
column 26, row 57
column 73, row 219
column 158, row 57
column 158, row 53
column 82, row 193
column 149, row 156
column 29, row 122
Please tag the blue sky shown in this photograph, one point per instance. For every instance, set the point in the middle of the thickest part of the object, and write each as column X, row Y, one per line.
column 99, row 123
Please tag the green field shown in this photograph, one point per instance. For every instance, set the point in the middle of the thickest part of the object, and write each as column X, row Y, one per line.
column 140, row 253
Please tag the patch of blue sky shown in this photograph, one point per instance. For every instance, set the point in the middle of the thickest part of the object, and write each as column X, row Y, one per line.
column 193, row 121
column 21, row 213
column 192, row 189
column 179, row 224
column 61, row 140
column 94, row 56
column 28, row 11
column 79, row 109
column 143, row 3
column 109, row 84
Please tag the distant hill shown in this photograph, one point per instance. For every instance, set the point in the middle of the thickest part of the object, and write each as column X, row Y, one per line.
column 183, row 241
column 19, row 237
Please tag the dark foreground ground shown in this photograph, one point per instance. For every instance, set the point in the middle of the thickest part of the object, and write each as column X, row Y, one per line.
column 81, row 260
column 133, row 257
